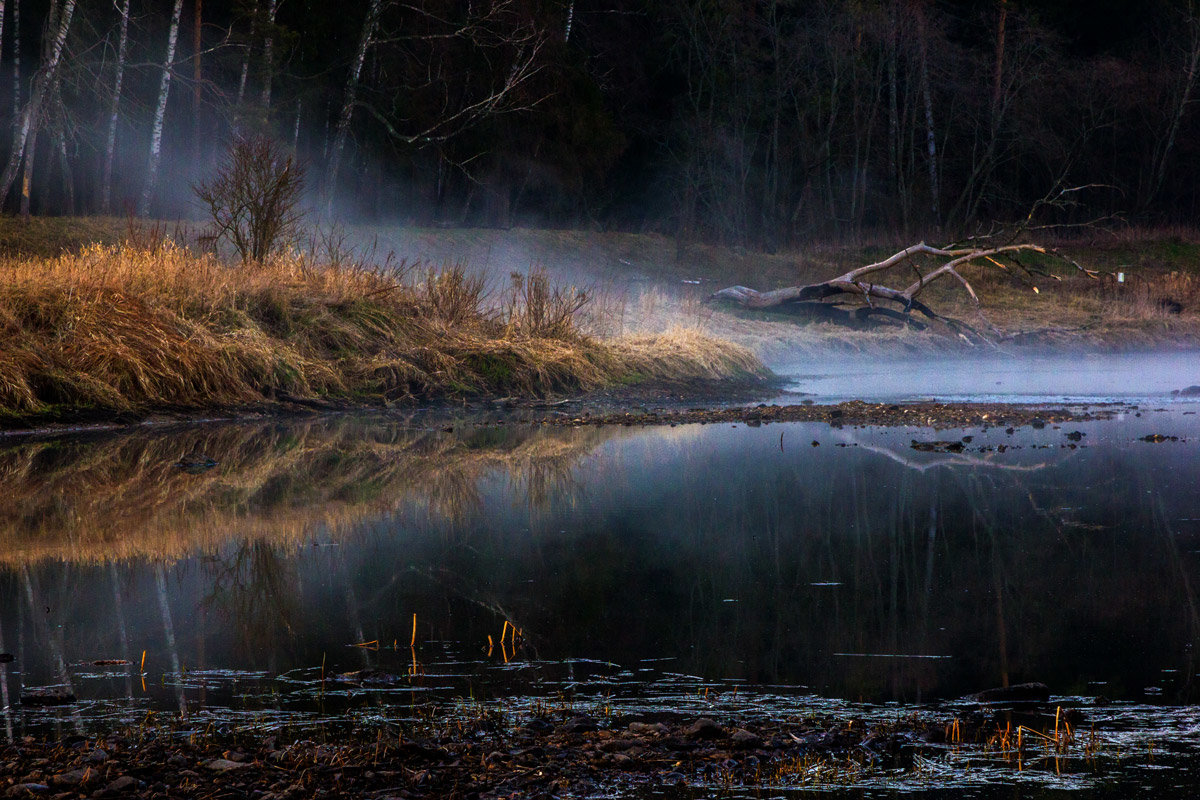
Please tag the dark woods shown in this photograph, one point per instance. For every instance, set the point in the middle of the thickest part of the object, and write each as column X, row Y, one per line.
column 747, row 123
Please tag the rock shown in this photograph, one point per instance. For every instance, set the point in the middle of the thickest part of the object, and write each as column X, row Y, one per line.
column 579, row 725
column 704, row 728
column 1018, row 693
column 121, row 784
column 177, row 761
column 1190, row 391
column 539, row 726
column 647, row 728
column 1076, row 436
column 27, row 790
column 97, row 756
column 194, row 463
column 224, row 765
column 72, row 778
column 744, row 738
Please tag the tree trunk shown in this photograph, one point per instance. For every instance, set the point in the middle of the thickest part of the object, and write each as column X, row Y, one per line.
column 110, row 143
column 268, row 56
column 343, row 126
column 998, row 74
column 1185, row 98
column 59, row 130
column 296, row 132
column 244, row 74
column 930, row 134
column 160, row 112
column 31, row 114
column 855, row 283
column 16, row 32
column 27, row 176
column 197, row 76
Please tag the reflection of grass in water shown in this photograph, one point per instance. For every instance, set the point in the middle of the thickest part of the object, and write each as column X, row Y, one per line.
column 126, row 496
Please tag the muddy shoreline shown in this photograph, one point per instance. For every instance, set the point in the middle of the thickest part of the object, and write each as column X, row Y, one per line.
column 554, row 753
column 630, row 406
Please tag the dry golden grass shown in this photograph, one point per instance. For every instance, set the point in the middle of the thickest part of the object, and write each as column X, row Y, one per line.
column 124, row 327
column 123, row 497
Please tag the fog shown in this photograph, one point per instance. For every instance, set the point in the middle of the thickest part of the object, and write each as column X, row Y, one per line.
column 1073, row 377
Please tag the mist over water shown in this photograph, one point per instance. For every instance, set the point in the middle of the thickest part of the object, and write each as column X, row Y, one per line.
column 1047, row 378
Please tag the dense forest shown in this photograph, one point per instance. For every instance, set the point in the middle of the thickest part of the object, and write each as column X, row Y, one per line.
column 757, row 123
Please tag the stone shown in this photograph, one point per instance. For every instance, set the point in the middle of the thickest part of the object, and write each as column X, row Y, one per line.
column 744, row 738
column 224, row 765
column 704, row 728
column 71, row 778
column 121, row 784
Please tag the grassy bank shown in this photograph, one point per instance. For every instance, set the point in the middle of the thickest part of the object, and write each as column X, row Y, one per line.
column 118, row 328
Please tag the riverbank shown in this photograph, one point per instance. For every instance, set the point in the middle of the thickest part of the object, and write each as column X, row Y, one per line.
column 118, row 330
column 492, row 753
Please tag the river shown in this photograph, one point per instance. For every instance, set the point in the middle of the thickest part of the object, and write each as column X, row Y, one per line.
column 235, row 571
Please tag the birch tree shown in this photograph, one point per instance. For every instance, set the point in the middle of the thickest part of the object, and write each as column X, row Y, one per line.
column 197, row 74
column 16, row 79
column 110, row 141
column 44, row 81
column 343, row 127
column 160, row 112
column 268, row 55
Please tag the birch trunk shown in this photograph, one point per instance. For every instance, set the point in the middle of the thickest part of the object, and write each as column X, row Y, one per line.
column 16, row 32
column 110, row 142
column 27, row 176
column 343, row 126
column 160, row 112
column 296, row 132
column 31, row 113
column 245, row 72
column 197, row 75
column 1185, row 98
column 268, row 56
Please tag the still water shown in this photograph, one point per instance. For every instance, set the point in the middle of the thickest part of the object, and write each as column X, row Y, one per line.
column 668, row 566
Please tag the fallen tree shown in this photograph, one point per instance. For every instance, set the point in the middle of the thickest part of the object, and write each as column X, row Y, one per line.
column 865, row 284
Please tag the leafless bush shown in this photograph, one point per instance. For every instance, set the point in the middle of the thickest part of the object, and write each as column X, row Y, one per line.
column 253, row 199
column 535, row 308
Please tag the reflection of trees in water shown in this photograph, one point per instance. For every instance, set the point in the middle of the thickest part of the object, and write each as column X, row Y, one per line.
column 255, row 589
column 1061, row 573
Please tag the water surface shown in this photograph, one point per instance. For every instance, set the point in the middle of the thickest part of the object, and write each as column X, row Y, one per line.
column 783, row 566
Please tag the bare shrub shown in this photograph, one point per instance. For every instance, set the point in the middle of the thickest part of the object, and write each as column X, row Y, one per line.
column 254, row 197
column 536, row 308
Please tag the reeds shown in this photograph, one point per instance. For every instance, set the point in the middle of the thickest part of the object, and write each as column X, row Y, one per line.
column 131, row 327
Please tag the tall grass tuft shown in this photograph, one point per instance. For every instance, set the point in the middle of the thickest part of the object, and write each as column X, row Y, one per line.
column 133, row 327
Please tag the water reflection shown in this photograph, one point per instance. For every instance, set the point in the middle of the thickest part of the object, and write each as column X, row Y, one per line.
column 845, row 561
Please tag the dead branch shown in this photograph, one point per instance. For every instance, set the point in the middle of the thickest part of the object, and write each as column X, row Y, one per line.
column 861, row 282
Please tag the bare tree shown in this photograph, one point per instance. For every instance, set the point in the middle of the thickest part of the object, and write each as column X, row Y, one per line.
column 110, row 141
column 31, row 114
column 160, row 112
column 254, row 197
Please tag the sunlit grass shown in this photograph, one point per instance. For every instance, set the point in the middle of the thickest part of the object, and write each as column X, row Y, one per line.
column 125, row 327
